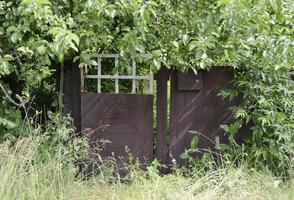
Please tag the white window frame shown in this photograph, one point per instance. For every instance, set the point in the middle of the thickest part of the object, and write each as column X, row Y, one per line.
column 134, row 77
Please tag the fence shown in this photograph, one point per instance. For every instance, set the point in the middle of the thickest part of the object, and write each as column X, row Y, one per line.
column 195, row 105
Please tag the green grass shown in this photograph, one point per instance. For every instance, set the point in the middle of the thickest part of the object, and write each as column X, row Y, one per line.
column 51, row 179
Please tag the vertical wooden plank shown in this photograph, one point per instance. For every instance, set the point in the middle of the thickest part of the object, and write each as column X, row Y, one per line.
column 116, row 74
column 72, row 92
column 134, row 68
column 99, row 73
column 174, row 108
column 83, row 89
column 151, row 82
column 161, row 101
column 76, row 96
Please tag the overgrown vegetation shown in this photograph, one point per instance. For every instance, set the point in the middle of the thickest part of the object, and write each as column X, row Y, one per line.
column 22, row 178
column 39, row 37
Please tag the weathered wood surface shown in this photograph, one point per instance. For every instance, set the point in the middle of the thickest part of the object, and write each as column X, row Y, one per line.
column 72, row 92
column 198, row 107
column 162, row 78
column 123, row 119
column 195, row 106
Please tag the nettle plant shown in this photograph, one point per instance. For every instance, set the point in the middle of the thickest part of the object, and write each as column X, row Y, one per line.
column 253, row 37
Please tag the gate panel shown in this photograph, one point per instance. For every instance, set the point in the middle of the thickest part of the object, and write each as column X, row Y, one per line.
column 196, row 106
column 125, row 120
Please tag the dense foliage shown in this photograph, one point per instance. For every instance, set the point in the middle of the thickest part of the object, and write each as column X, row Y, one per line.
column 254, row 37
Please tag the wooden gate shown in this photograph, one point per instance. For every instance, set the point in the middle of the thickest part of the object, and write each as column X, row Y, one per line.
column 198, row 109
column 124, row 120
column 118, row 118
column 195, row 107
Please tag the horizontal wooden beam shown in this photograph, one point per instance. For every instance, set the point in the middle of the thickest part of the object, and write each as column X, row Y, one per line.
column 117, row 55
column 118, row 77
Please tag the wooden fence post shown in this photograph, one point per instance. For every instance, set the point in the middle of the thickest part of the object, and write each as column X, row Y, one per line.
column 72, row 92
column 161, row 108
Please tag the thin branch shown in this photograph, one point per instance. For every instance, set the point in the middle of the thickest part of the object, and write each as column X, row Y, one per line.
column 17, row 57
column 10, row 99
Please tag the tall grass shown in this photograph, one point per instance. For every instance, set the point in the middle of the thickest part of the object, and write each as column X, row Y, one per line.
column 22, row 178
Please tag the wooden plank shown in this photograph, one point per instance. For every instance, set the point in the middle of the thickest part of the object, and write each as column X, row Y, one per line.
column 106, row 55
column 72, row 92
column 98, row 74
column 118, row 77
column 117, row 55
column 134, row 69
column 76, row 96
column 151, row 82
column 161, row 110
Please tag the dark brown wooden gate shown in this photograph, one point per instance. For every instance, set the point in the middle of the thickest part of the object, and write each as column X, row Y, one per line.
column 125, row 120
column 197, row 107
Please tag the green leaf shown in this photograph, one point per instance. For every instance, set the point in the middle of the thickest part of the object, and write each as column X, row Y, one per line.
column 176, row 44
column 11, row 29
column 86, row 59
column 184, row 156
column 225, row 127
column 8, row 57
column 193, row 45
column 25, row 50
column 144, row 14
column 60, row 57
column 15, row 37
column 185, row 39
column 202, row 65
column 4, row 67
column 59, row 42
column 42, row 50
column 7, row 123
column 222, row 147
column 194, row 142
column 157, row 63
column 38, row 2
column 113, row 14
column 73, row 37
column 54, row 30
column 93, row 62
column 73, row 46
column 204, row 56
column 156, row 53
column 76, row 59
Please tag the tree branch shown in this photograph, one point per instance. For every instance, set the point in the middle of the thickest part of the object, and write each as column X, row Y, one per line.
column 10, row 99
